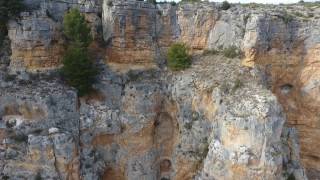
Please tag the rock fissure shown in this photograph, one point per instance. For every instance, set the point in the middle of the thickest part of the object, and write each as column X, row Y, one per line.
column 55, row 159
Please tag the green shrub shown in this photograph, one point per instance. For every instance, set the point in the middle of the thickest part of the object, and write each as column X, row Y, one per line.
column 252, row 5
column 299, row 14
column 77, row 69
column 231, row 52
column 188, row 125
column 178, row 57
column 310, row 15
column 237, row 84
column 210, row 52
column 76, row 29
column 287, row 18
column 310, row 4
column 8, row 9
column 225, row 5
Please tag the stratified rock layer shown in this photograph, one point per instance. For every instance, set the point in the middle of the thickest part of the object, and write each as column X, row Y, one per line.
column 35, row 42
column 36, row 37
column 212, row 121
column 215, row 120
column 133, row 32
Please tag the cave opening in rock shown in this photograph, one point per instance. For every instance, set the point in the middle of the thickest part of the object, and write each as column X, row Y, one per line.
column 286, row 88
column 165, row 169
column 165, row 165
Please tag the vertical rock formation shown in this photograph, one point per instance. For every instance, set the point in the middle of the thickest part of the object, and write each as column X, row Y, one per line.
column 287, row 53
column 39, row 127
column 35, row 42
column 202, row 18
column 216, row 120
column 36, row 38
column 132, row 33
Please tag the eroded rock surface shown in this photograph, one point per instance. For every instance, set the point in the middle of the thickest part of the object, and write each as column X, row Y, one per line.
column 39, row 130
column 36, row 37
column 213, row 121
column 216, row 120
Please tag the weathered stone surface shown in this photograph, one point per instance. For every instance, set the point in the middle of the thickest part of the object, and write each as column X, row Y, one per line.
column 228, row 30
column 137, row 30
column 130, row 27
column 216, row 120
column 246, row 144
column 202, row 18
column 28, row 112
column 36, row 38
column 165, row 125
column 35, row 42
column 288, row 54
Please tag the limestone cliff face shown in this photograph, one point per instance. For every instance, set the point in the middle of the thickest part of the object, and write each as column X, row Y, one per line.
column 196, row 124
column 138, row 31
column 289, row 60
column 35, row 42
column 202, row 17
column 283, row 43
column 36, row 37
column 216, row 120
column 132, row 33
column 29, row 143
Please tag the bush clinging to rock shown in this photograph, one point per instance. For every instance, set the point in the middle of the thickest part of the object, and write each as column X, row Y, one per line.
column 178, row 57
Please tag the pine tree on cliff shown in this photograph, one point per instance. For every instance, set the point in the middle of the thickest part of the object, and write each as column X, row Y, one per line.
column 78, row 70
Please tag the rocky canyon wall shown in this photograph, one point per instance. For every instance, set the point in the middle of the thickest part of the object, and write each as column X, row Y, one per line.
column 197, row 124
column 221, row 119
column 287, row 59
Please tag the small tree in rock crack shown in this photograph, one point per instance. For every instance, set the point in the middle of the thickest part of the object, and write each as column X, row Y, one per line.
column 78, row 70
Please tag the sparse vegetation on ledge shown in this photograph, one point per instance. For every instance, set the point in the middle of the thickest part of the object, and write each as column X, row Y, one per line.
column 190, row 1
column 225, row 5
column 229, row 52
column 287, row 18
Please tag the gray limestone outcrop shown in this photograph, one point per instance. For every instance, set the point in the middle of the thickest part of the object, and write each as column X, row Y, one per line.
column 39, row 121
column 212, row 121
column 36, row 37
column 220, row 119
